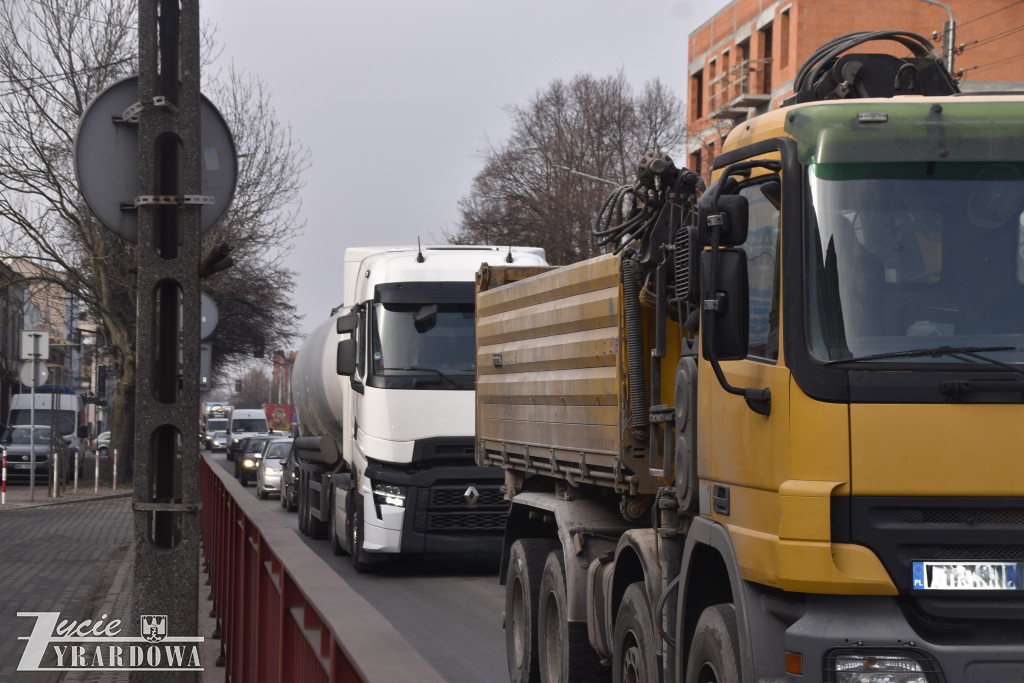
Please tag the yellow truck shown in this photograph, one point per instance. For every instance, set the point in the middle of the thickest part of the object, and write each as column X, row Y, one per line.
column 775, row 433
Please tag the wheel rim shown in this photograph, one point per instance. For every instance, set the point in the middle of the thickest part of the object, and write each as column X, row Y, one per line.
column 632, row 661
column 518, row 624
column 551, row 631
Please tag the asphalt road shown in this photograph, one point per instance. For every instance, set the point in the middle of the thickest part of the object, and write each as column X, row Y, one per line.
column 449, row 610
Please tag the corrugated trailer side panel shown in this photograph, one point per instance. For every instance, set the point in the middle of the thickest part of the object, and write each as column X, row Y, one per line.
column 550, row 373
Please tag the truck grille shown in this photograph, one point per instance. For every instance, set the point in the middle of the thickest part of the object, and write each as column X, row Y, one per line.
column 466, row 521
column 455, row 496
column 448, row 510
column 903, row 530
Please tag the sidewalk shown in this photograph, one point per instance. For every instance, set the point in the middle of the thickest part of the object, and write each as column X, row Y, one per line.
column 83, row 544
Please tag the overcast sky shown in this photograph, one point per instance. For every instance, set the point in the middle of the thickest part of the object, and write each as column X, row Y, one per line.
column 396, row 99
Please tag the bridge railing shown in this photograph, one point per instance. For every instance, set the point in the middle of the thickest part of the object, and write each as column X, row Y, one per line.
column 281, row 611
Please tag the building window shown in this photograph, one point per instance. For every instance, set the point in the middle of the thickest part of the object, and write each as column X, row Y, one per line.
column 765, row 58
column 697, row 95
column 784, row 38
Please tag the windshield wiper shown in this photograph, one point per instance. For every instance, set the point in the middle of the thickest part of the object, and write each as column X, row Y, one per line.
column 419, row 368
column 969, row 351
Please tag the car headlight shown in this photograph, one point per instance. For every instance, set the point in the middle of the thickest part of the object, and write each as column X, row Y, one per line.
column 877, row 667
column 249, row 462
column 237, row 441
column 389, row 494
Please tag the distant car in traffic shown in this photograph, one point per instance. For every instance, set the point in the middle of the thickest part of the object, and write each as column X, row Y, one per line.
column 219, row 441
column 17, row 444
column 101, row 444
column 268, row 474
column 247, row 458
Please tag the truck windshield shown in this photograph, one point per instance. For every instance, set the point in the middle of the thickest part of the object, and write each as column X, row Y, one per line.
column 913, row 254
column 249, row 425
column 216, row 425
column 65, row 418
column 435, row 343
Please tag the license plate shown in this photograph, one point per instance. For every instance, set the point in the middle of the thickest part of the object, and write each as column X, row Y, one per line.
column 966, row 576
column 21, row 466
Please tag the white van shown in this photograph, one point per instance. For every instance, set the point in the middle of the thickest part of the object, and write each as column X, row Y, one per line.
column 64, row 410
column 243, row 423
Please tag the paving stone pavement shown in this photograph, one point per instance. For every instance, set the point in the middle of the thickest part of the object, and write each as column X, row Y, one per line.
column 73, row 554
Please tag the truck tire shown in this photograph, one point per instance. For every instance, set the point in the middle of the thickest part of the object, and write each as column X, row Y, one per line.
column 301, row 506
column 332, row 529
column 634, row 648
column 526, row 561
column 563, row 649
column 714, row 652
column 356, row 540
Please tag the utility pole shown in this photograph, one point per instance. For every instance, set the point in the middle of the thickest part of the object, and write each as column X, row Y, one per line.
column 166, row 499
column 950, row 37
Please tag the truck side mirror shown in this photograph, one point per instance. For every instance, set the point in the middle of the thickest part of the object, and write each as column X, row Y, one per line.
column 730, row 219
column 728, row 301
column 348, row 323
column 347, row 357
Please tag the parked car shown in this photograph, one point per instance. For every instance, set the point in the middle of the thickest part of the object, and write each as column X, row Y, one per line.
column 101, row 444
column 16, row 443
column 290, row 481
column 219, row 441
column 268, row 474
column 247, row 458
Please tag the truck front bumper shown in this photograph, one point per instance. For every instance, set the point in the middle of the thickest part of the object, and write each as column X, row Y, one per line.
column 442, row 510
column 839, row 630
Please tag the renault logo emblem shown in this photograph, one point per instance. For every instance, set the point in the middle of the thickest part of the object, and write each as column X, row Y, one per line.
column 471, row 495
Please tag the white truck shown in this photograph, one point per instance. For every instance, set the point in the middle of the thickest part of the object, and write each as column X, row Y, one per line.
column 383, row 392
column 63, row 411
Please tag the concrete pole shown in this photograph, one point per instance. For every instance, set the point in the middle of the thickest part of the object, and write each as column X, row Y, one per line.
column 952, row 33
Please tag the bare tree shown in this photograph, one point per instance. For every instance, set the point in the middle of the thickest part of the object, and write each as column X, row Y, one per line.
column 55, row 57
column 255, row 390
column 534, row 189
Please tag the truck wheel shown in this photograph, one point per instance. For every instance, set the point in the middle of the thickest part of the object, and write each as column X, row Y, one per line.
column 356, row 543
column 526, row 561
column 564, row 650
column 332, row 529
column 634, row 650
column 301, row 506
column 714, row 652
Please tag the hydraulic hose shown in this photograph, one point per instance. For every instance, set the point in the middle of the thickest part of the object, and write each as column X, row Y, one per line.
column 635, row 347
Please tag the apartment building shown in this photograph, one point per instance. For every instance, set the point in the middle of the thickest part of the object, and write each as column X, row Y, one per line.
column 743, row 60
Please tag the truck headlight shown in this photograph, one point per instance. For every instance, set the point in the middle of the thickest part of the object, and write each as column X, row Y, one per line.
column 389, row 494
column 877, row 667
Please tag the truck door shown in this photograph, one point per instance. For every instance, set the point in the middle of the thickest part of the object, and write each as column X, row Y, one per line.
column 738, row 448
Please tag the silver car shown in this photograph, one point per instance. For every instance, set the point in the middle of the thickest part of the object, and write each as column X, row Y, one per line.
column 268, row 475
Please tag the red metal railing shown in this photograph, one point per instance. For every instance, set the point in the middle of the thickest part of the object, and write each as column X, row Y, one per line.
column 282, row 613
